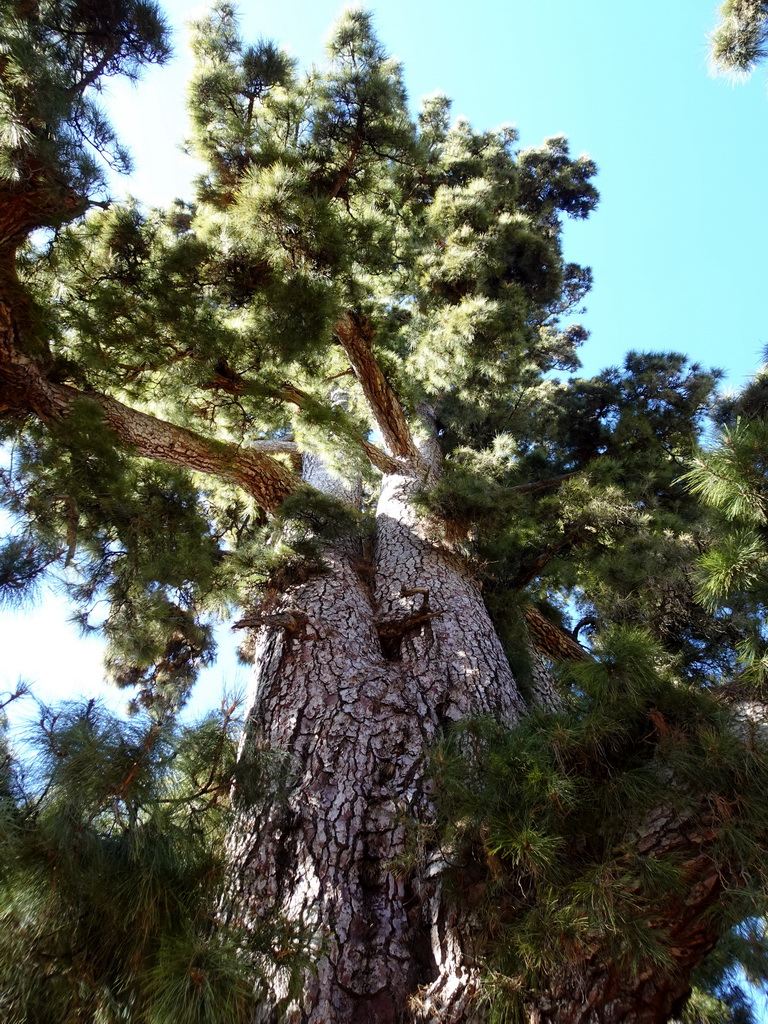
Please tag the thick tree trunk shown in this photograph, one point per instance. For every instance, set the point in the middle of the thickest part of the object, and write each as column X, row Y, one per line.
column 379, row 654
column 389, row 649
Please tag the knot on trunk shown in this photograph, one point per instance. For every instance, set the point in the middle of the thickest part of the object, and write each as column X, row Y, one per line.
column 395, row 628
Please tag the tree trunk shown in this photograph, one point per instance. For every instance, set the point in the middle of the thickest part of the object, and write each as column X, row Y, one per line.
column 359, row 670
column 388, row 650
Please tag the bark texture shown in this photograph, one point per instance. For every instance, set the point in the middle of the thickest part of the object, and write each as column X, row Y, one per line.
column 359, row 670
column 391, row 647
column 594, row 990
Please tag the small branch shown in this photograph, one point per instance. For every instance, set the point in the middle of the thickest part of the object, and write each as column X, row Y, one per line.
column 234, row 384
column 540, row 485
column 400, row 625
column 378, row 458
column 73, row 518
column 532, row 569
column 349, row 372
column 290, row 619
column 349, row 166
column 90, row 78
column 146, row 749
column 21, row 690
column 588, row 620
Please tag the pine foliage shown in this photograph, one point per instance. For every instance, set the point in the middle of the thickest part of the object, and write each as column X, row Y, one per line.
column 53, row 54
column 552, row 827
column 112, row 859
column 731, row 477
column 738, row 43
column 322, row 195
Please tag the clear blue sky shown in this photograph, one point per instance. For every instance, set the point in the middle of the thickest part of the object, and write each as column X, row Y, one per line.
column 677, row 244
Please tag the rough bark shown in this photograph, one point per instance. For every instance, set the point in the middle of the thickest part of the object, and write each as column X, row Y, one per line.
column 356, row 337
column 359, row 670
column 595, row 990
column 361, row 667
column 391, row 649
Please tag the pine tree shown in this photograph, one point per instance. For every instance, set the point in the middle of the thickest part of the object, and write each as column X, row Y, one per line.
column 738, row 44
column 333, row 385
column 109, row 877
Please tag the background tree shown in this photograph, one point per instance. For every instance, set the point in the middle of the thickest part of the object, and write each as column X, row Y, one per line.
column 112, row 846
column 730, row 477
column 333, row 385
column 737, row 45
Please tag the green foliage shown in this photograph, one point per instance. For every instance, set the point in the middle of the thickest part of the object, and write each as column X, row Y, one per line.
column 741, row 953
column 733, row 1007
column 738, row 43
column 78, row 497
column 580, row 504
column 312, row 519
column 730, row 478
column 53, row 53
column 112, row 857
column 551, row 826
column 320, row 196
column 22, row 564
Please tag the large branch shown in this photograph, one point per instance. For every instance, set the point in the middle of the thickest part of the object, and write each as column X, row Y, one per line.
column 355, row 336
column 24, row 388
column 226, row 379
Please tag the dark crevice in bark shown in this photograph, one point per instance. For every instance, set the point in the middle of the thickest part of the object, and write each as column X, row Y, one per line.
column 391, row 647
column 357, row 725
column 397, row 646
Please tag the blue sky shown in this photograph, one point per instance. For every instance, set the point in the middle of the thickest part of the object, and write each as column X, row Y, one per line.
column 677, row 245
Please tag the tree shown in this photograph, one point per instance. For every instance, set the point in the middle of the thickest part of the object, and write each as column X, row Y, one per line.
column 333, row 384
column 730, row 477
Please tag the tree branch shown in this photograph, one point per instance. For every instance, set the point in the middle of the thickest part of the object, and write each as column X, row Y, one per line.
column 540, row 485
column 355, row 336
column 24, row 388
column 550, row 639
column 530, row 570
column 227, row 379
